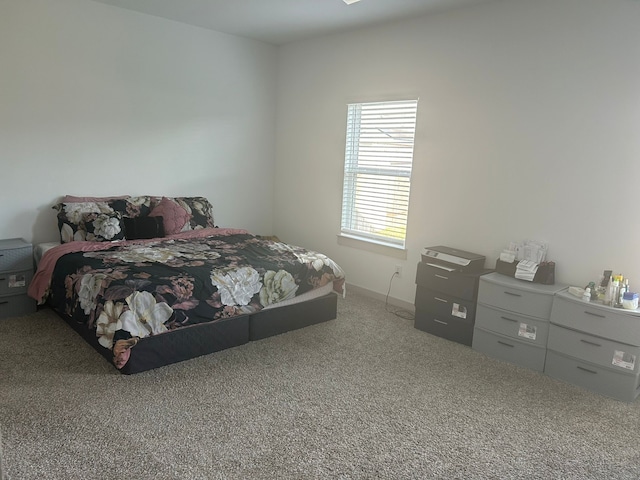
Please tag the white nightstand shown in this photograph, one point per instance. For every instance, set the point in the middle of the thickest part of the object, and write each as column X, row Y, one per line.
column 16, row 271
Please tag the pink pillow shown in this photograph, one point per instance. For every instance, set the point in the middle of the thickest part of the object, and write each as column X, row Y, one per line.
column 174, row 217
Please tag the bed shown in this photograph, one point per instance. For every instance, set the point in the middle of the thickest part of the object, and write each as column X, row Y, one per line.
column 149, row 281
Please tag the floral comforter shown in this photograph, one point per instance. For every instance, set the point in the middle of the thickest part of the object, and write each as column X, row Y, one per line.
column 129, row 290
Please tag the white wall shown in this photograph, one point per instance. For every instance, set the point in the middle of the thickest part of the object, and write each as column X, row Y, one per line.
column 98, row 100
column 528, row 127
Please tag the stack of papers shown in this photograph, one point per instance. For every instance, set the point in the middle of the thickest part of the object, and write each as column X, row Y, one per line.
column 529, row 254
column 526, row 270
column 531, row 250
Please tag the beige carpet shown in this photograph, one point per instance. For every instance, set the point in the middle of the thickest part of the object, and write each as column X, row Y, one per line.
column 364, row 396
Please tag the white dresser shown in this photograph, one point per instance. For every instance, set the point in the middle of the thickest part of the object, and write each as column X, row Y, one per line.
column 595, row 346
column 512, row 319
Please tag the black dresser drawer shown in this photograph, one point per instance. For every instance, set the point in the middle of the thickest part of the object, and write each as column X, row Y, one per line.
column 462, row 285
column 444, row 306
column 456, row 329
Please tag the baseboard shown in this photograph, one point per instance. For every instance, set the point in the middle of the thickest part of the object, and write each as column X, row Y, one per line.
column 396, row 302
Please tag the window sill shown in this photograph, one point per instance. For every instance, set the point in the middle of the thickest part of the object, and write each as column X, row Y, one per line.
column 372, row 246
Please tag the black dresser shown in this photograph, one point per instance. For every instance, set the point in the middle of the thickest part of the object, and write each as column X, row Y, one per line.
column 446, row 302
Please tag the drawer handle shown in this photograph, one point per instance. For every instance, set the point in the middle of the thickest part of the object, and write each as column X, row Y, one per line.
column 442, row 277
column 590, row 343
column 586, row 370
column 505, row 344
column 440, row 299
column 512, row 294
column 4, row 303
column 594, row 314
column 440, row 321
column 510, row 319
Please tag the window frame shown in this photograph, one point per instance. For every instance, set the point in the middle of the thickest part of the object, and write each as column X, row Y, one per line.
column 380, row 167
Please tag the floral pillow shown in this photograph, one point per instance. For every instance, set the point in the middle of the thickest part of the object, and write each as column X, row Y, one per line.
column 179, row 214
column 103, row 227
column 132, row 207
column 71, row 222
column 201, row 211
column 71, row 218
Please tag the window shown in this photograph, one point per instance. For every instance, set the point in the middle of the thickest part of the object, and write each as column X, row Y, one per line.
column 377, row 170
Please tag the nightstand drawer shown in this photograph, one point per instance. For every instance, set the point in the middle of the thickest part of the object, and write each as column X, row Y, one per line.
column 442, row 305
column 600, row 351
column 16, row 305
column 519, row 327
column 593, row 377
column 13, row 283
column 15, row 254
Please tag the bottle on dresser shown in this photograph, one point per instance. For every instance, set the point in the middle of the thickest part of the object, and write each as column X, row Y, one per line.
column 624, row 288
column 614, row 287
column 608, row 287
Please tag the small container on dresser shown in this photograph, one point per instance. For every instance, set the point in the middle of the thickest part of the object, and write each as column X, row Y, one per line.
column 446, row 302
column 16, row 272
column 595, row 346
column 512, row 319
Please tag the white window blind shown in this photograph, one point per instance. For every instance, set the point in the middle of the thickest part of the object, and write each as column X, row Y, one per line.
column 377, row 170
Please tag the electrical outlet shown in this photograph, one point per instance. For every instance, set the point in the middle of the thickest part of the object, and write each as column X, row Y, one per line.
column 399, row 270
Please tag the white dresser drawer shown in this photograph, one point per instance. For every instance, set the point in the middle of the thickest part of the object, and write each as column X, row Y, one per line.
column 595, row 319
column 596, row 350
column 593, row 377
column 16, row 305
column 13, row 283
column 508, row 293
column 15, row 254
column 508, row 349
column 510, row 324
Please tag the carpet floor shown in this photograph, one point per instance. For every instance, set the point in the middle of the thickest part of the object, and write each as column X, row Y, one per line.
column 365, row 396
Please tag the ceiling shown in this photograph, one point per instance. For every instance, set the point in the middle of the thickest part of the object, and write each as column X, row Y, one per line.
column 282, row 21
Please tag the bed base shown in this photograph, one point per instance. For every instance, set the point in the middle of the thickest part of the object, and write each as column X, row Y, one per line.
column 176, row 346
column 210, row 337
column 267, row 323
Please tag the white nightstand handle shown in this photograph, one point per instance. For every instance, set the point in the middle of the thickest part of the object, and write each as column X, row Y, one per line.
column 586, row 370
column 512, row 294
